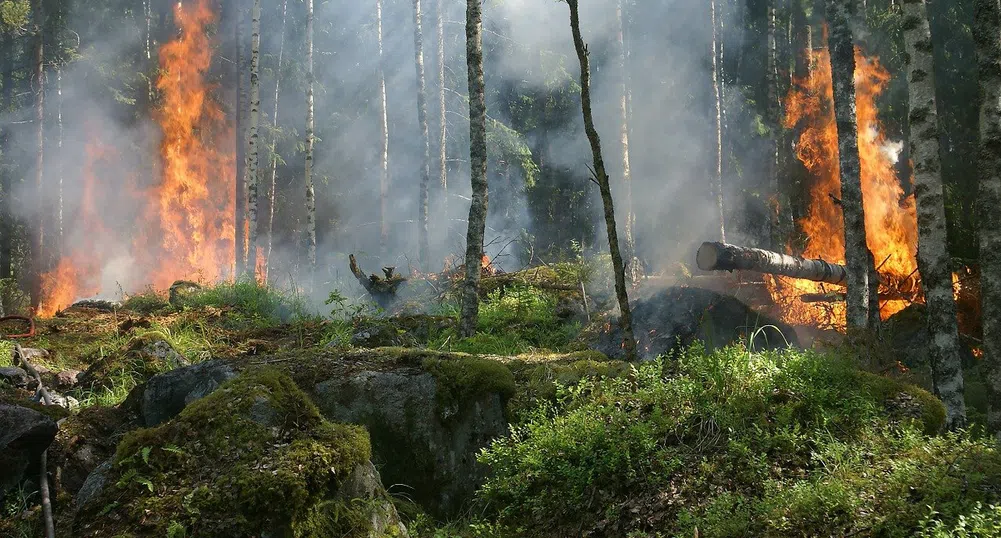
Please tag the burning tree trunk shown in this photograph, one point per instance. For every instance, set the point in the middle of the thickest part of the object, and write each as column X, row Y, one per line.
column 601, row 177
column 933, row 253
column 253, row 142
column 987, row 34
column 38, row 77
column 240, row 215
column 384, row 147
column 310, row 196
column 716, row 185
column 422, row 119
column 627, row 178
column 843, row 76
column 269, row 231
column 724, row 257
column 476, row 225
column 442, row 112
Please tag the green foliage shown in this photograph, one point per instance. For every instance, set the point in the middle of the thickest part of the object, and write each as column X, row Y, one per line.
column 461, row 381
column 147, row 302
column 979, row 523
column 14, row 14
column 250, row 302
column 737, row 444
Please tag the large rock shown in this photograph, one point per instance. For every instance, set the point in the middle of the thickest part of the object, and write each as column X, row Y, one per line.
column 24, row 435
column 425, row 436
column 15, row 377
column 677, row 317
column 165, row 395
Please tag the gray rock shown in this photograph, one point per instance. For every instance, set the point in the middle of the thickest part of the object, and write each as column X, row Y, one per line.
column 14, row 376
column 165, row 395
column 412, row 443
column 163, row 351
column 24, row 435
column 64, row 401
column 68, row 379
column 366, row 483
column 93, row 485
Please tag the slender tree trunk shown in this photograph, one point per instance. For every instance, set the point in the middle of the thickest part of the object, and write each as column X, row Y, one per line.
column 716, row 185
column 843, row 75
column 773, row 107
column 442, row 112
column 7, row 241
column 627, row 176
column 253, row 140
column 384, row 148
column 933, row 252
column 476, row 225
column 601, row 176
column 59, row 152
column 987, row 34
column 269, row 231
column 242, row 106
column 422, row 119
column 38, row 76
column 310, row 196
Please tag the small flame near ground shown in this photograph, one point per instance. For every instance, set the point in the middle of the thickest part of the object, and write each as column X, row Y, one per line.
column 891, row 219
column 185, row 229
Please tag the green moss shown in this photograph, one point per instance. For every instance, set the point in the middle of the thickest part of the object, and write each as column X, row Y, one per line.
column 538, row 381
column 54, row 412
column 929, row 410
column 461, row 381
column 253, row 454
column 148, row 302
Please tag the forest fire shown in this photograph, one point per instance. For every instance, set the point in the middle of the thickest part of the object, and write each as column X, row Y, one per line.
column 891, row 220
column 184, row 229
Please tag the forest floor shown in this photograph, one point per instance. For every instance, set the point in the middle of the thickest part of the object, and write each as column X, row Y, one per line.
column 529, row 431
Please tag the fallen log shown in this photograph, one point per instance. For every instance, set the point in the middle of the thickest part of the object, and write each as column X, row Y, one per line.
column 723, row 257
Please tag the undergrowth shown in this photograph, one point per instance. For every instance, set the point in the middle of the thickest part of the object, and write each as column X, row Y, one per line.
column 734, row 443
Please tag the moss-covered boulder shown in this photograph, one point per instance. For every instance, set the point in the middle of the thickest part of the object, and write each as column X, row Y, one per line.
column 164, row 395
column 24, row 435
column 428, row 414
column 254, row 458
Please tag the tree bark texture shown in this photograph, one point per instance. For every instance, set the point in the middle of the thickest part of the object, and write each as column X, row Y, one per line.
column 253, row 138
column 773, row 108
column 601, row 176
column 269, row 230
column 713, row 256
column 987, row 35
column 857, row 255
column 716, row 185
column 310, row 194
column 476, row 225
column 384, row 146
column 422, row 120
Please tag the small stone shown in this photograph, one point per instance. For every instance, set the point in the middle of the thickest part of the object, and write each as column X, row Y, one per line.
column 14, row 376
column 67, row 378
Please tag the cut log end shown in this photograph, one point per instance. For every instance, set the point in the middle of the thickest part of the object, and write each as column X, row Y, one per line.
column 707, row 257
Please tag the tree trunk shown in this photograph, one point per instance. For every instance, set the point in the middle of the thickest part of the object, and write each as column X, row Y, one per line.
column 38, row 76
column 384, row 148
column 7, row 240
column 253, row 140
column 310, row 196
column 933, row 251
column 716, row 186
column 442, row 112
column 601, row 176
column 422, row 119
column 627, row 176
column 476, row 225
column 987, row 34
column 773, row 109
column 724, row 257
column 240, row 215
column 60, row 243
column 843, row 75
column 269, row 231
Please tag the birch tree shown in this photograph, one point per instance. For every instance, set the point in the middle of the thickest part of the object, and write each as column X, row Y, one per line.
column 422, row 119
column 987, row 35
column 384, row 129
column 601, row 178
column 38, row 87
column 253, row 142
column 442, row 113
column 477, row 222
column 269, row 230
column 773, row 108
column 716, row 184
column 857, row 255
column 310, row 195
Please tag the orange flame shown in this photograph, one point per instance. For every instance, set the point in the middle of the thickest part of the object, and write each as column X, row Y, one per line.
column 890, row 217
column 186, row 228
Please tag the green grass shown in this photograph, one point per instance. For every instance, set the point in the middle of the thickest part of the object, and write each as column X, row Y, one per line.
column 252, row 301
column 737, row 444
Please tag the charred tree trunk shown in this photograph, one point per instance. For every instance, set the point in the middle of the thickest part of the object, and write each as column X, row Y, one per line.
column 422, row 119
column 627, row 176
column 601, row 177
column 723, row 257
column 933, row 252
column 253, row 138
column 442, row 116
column 843, row 75
column 269, row 231
column 240, row 216
column 384, row 147
column 476, row 225
column 987, row 35
column 38, row 78
column 310, row 195
column 716, row 185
